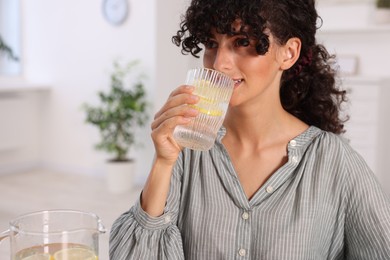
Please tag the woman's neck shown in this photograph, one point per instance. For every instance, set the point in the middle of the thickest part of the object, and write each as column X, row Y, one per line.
column 262, row 126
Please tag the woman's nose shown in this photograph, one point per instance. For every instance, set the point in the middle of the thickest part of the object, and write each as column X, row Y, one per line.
column 223, row 60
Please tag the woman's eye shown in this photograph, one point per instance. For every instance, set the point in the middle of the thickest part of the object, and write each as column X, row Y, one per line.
column 210, row 45
column 242, row 42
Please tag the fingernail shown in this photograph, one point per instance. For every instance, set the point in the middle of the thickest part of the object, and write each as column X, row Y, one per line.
column 194, row 97
column 193, row 111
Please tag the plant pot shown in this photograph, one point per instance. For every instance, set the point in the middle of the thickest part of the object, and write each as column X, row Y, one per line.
column 382, row 15
column 120, row 176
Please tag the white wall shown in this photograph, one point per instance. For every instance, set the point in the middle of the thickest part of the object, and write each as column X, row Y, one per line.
column 69, row 46
column 171, row 65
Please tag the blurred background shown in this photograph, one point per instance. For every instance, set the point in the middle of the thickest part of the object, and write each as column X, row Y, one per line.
column 65, row 51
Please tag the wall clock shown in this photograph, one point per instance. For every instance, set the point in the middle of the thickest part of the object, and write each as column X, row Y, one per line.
column 115, row 11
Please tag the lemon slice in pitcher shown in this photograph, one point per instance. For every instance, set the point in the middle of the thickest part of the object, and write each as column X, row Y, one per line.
column 38, row 257
column 75, row 254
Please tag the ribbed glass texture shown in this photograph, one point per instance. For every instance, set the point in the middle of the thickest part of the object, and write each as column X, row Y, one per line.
column 214, row 90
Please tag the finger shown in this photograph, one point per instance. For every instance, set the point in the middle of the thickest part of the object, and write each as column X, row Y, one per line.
column 164, row 131
column 182, row 112
column 176, row 101
column 182, row 89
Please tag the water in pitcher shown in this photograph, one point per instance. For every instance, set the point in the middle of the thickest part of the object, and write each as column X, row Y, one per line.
column 57, row 251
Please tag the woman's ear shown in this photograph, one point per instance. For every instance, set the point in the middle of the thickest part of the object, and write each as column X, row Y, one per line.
column 290, row 53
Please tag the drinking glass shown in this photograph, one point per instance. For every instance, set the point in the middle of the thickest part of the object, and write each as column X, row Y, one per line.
column 214, row 90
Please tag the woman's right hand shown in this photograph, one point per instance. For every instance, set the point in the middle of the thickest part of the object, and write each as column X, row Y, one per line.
column 174, row 112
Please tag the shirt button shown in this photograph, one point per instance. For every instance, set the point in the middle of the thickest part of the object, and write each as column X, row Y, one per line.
column 242, row 252
column 294, row 159
column 245, row 215
column 167, row 219
column 269, row 189
column 293, row 143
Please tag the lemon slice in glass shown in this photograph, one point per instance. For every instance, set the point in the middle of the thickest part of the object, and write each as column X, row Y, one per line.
column 38, row 257
column 75, row 254
column 210, row 112
column 207, row 100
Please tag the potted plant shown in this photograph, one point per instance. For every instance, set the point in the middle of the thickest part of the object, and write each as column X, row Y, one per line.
column 382, row 14
column 122, row 110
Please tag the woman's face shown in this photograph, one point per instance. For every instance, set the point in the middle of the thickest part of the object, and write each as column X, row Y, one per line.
column 257, row 77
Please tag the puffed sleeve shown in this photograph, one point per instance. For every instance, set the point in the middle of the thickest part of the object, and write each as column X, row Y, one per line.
column 137, row 235
column 367, row 223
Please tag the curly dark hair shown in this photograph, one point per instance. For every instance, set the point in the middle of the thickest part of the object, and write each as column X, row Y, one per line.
column 308, row 89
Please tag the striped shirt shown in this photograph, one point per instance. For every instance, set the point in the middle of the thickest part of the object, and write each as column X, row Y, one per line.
column 324, row 203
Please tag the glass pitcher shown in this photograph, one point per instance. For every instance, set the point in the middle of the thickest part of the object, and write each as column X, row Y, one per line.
column 55, row 235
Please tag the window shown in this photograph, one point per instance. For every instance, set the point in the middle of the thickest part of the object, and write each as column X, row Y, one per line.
column 10, row 34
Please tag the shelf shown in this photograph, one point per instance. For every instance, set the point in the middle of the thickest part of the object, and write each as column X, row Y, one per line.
column 342, row 2
column 17, row 85
column 362, row 80
column 372, row 29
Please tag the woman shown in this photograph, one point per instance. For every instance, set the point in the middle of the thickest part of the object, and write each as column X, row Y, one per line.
column 279, row 182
